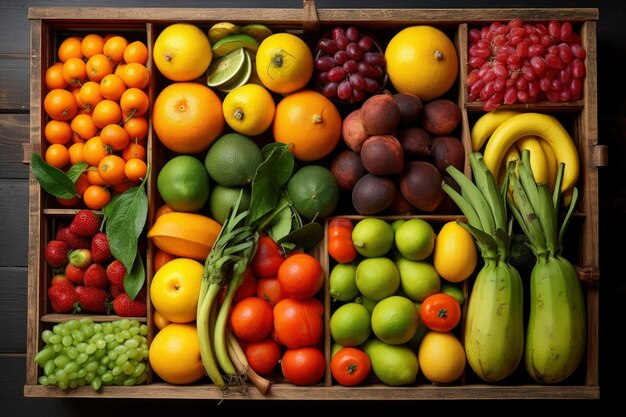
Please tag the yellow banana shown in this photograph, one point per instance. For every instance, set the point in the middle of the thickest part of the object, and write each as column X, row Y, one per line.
column 556, row 330
column 538, row 160
column 512, row 154
column 494, row 327
column 534, row 124
column 553, row 165
column 486, row 124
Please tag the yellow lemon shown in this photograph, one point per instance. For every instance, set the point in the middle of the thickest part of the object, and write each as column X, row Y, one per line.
column 175, row 354
column 455, row 255
column 284, row 63
column 175, row 289
column 182, row 52
column 421, row 60
column 441, row 357
column 249, row 109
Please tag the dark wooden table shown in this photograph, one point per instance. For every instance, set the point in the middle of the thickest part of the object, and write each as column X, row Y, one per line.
column 14, row 131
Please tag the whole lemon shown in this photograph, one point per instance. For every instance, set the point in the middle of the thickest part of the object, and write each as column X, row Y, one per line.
column 175, row 354
column 455, row 255
column 442, row 357
column 175, row 289
column 182, row 52
column 284, row 63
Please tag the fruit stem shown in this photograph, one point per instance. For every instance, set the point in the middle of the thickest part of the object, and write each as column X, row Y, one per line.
column 317, row 118
column 438, row 55
column 238, row 114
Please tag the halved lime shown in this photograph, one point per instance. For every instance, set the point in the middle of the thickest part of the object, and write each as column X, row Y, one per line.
column 242, row 77
column 224, row 69
column 257, row 30
column 231, row 42
column 221, row 30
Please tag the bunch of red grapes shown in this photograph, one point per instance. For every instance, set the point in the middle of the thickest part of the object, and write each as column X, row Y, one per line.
column 349, row 65
column 522, row 62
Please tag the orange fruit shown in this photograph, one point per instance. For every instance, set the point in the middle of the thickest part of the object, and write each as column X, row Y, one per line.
column 93, row 176
column 303, row 366
column 94, row 150
column 136, row 75
column 83, row 127
column 89, row 94
column 54, row 76
column 284, row 63
column 187, row 117
column 107, row 112
column 112, row 169
column 70, row 48
column 114, row 48
column 134, row 151
column 160, row 258
column 76, row 153
column 92, row 45
column 164, row 208
column 263, row 355
column 137, row 128
column 175, row 289
column 421, row 60
column 134, row 102
column 300, row 276
column 57, row 155
column 309, row 122
column 175, row 354
column 112, row 87
column 135, row 169
column 136, row 52
column 114, row 136
column 75, row 72
column 98, row 66
column 159, row 320
column 96, row 197
column 252, row 319
column 61, row 104
column 58, row 131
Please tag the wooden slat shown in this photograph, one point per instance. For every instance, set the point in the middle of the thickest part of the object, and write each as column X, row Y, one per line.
column 13, row 223
column 15, row 131
column 13, row 289
column 13, row 84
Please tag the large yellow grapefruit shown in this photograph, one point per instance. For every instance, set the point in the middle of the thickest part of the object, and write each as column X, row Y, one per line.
column 422, row 60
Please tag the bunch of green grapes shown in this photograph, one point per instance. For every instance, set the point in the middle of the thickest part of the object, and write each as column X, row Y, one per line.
column 81, row 352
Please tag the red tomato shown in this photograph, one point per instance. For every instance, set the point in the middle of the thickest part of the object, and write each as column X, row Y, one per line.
column 440, row 312
column 340, row 245
column 263, row 356
column 268, row 257
column 350, row 366
column 303, row 366
column 252, row 319
column 298, row 323
column 301, row 276
column 247, row 288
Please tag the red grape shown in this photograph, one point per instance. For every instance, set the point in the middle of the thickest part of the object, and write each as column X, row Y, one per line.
column 344, row 90
column 352, row 33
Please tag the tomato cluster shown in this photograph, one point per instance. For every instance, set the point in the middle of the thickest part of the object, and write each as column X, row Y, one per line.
column 96, row 103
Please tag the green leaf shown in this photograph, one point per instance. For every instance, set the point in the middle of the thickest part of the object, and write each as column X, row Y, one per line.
column 51, row 179
column 306, row 236
column 271, row 175
column 75, row 170
column 281, row 224
column 133, row 280
column 125, row 223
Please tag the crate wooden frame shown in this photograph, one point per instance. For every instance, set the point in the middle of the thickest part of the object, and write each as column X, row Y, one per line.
column 46, row 21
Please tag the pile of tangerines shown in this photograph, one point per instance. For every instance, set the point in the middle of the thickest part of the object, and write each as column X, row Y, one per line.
column 96, row 103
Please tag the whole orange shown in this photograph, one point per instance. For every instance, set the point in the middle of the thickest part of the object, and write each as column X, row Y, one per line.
column 187, row 117
column 303, row 366
column 309, row 122
column 252, row 319
column 175, row 354
column 300, row 276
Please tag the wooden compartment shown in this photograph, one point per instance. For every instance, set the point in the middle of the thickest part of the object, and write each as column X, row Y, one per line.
column 579, row 118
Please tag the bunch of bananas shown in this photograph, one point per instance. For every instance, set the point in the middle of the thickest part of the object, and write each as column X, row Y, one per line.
column 505, row 133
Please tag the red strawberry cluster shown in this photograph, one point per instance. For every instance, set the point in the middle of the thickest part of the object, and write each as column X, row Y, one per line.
column 87, row 277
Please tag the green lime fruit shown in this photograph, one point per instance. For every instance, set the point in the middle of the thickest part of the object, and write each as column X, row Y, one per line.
column 377, row 278
column 342, row 282
column 231, row 43
column 232, row 160
column 183, row 183
column 336, row 347
column 257, row 30
column 313, row 191
column 396, row 223
column 454, row 290
column 350, row 324
column 242, row 77
column 372, row 237
column 415, row 239
column 418, row 279
column 395, row 320
column 223, row 199
column 366, row 301
column 394, row 365
column 225, row 69
column 414, row 342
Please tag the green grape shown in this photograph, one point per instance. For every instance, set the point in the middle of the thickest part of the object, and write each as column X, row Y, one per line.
column 131, row 343
column 134, row 330
column 140, row 368
column 49, row 367
column 72, row 324
column 52, row 379
column 82, row 347
column 132, row 353
column 57, row 329
column 128, row 368
column 78, row 335
column 101, row 344
column 71, row 352
column 44, row 355
column 92, row 366
column 116, row 370
column 119, row 337
column 96, row 383
column 102, row 369
column 67, row 341
column 91, row 348
column 121, row 359
column 61, row 360
column 82, row 373
column 126, row 334
column 107, row 377
column 71, row 367
column 55, row 338
column 82, row 358
column 124, row 324
column 43, row 380
column 57, row 348
column 45, row 335
column 130, row 381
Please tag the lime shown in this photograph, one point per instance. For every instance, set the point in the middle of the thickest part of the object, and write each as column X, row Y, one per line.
column 377, row 278
column 336, row 347
column 350, row 324
column 221, row 30
column 394, row 365
column 366, row 301
column 395, row 320
column 453, row 290
column 227, row 68
column 418, row 279
column 314, row 191
column 415, row 341
column 257, row 30
column 232, row 160
column 230, row 43
column 222, row 199
column 396, row 223
column 183, row 183
column 372, row 237
column 415, row 239
column 242, row 77
column 342, row 282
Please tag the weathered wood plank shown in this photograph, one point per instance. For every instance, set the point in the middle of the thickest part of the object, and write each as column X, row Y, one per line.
column 14, row 133
column 13, row 294
column 13, row 223
column 14, row 85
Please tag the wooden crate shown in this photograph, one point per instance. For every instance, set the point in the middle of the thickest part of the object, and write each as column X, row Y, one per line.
column 580, row 117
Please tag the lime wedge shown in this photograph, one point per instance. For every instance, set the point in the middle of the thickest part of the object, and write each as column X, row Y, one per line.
column 242, row 78
column 257, row 30
column 221, row 30
column 232, row 42
column 226, row 68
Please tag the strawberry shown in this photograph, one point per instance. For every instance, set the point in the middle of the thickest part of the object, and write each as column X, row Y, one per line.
column 125, row 307
column 74, row 242
column 93, row 300
column 62, row 297
column 75, row 275
column 115, row 272
column 116, row 290
column 80, row 258
column 56, row 253
column 95, row 276
column 85, row 223
column 100, row 251
column 58, row 279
